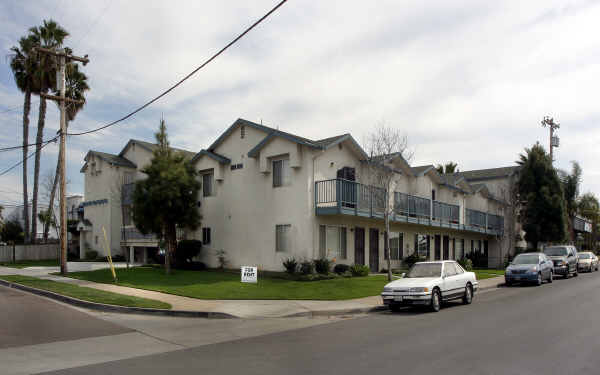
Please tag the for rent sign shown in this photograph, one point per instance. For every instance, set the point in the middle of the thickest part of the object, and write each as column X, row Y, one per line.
column 249, row 274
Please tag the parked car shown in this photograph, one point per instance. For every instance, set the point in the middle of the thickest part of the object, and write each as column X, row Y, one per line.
column 3, row 244
column 531, row 268
column 587, row 262
column 429, row 284
column 564, row 258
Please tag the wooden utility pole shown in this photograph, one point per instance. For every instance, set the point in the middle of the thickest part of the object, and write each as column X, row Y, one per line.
column 549, row 122
column 63, row 57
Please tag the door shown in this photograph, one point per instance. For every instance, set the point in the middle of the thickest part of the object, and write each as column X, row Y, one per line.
column 446, row 243
column 437, row 247
column 359, row 245
column 374, row 250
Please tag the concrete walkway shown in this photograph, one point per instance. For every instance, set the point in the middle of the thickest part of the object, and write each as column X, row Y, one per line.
column 238, row 308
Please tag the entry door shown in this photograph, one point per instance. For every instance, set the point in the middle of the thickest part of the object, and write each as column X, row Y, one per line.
column 446, row 243
column 359, row 245
column 374, row 250
column 437, row 246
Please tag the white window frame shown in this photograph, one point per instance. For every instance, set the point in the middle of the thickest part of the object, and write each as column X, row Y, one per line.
column 400, row 246
column 286, row 172
column 324, row 246
column 283, row 245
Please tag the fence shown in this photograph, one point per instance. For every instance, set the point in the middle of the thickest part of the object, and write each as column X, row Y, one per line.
column 29, row 252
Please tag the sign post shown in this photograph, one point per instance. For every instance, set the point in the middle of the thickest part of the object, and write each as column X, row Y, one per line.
column 249, row 274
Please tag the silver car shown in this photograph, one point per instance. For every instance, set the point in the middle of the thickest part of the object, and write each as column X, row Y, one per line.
column 587, row 262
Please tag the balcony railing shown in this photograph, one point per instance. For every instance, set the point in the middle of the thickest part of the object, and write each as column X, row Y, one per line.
column 412, row 206
column 133, row 234
column 449, row 213
column 338, row 196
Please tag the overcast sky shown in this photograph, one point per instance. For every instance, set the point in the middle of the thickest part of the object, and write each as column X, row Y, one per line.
column 467, row 81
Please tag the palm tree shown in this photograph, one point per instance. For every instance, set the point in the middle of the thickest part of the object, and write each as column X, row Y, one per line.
column 449, row 167
column 50, row 35
column 23, row 64
column 75, row 87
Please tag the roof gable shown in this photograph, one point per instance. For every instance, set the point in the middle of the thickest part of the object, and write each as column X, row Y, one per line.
column 151, row 147
column 488, row 174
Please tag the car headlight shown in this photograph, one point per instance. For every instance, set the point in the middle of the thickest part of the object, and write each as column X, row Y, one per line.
column 418, row 290
column 562, row 263
column 388, row 289
column 508, row 270
column 533, row 269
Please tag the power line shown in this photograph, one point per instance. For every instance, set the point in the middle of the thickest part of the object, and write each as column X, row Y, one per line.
column 21, row 162
column 43, row 143
column 240, row 36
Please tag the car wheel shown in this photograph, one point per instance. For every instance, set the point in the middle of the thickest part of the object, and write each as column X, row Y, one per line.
column 551, row 277
column 436, row 301
column 539, row 279
column 508, row 283
column 567, row 274
column 395, row 307
column 468, row 297
column 576, row 273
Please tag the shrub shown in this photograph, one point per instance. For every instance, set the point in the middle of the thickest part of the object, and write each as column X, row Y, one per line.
column 412, row 259
column 478, row 258
column 91, row 255
column 466, row 263
column 72, row 256
column 383, row 270
column 317, row 277
column 322, row 265
column 191, row 266
column 186, row 250
column 359, row 270
column 341, row 268
column 118, row 258
column 307, row 267
column 290, row 265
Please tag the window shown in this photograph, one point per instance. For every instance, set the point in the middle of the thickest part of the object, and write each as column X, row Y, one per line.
column 207, row 182
column 127, row 178
column 281, row 172
column 237, row 166
column 205, row 236
column 433, row 194
column 332, row 241
column 283, row 238
column 449, row 269
column 396, row 246
column 459, row 269
column 96, row 240
column 242, row 131
column 127, row 215
column 422, row 245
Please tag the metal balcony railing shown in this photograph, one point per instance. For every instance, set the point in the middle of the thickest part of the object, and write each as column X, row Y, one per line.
column 449, row 213
column 350, row 195
column 412, row 206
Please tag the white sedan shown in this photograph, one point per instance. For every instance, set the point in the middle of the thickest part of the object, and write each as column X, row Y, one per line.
column 430, row 283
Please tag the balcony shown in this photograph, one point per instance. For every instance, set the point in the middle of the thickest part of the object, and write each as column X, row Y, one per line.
column 132, row 234
column 343, row 197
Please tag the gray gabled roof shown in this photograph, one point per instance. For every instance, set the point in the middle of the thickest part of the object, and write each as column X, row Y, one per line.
column 213, row 155
column 111, row 159
column 153, row 146
column 421, row 170
column 488, row 174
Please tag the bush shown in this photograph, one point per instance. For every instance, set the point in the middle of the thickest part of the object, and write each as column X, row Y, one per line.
column 191, row 266
column 118, row 258
column 186, row 250
column 383, row 270
column 359, row 270
column 307, row 267
column 412, row 259
column 317, row 277
column 91, row 255
column 72, row 257
column 478, row 258
column 466, row 263
column 290, row 265
column 322, row 265
column 341, row 268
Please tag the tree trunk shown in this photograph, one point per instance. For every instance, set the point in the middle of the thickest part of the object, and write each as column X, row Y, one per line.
column 386, row 237
column 26, row 109
column 52, row 194
column 36, row 171
column 171, row 239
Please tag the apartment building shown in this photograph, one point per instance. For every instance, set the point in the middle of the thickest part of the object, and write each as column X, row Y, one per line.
column 268, row 195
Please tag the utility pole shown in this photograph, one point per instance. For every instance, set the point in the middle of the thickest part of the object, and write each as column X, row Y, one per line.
column 63, row 57
column 554, row 141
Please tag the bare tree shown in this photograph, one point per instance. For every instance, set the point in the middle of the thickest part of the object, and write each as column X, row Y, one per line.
column 383, row 145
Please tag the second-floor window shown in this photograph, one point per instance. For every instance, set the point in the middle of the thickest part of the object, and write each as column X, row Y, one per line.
column 281, row 172
column 127, row 178
column 205, row 236
column 207, row 184
column 126, row 215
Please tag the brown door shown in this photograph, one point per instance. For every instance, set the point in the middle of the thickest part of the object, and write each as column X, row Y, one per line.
column 446, row 243
column 374, row 250
column 438, row 247
column 359, row 245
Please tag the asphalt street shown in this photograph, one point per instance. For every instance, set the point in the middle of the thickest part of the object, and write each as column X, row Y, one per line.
column 552, row 329
column 26, row 319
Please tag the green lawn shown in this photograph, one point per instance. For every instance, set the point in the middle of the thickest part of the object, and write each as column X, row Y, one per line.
column 224, row 285
column 31, row 263
column 86, row 294
column 484, row 273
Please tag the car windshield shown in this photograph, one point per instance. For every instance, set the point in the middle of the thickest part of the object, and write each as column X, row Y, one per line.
column 585, row 256
column 527, row 259
column 555, row 251
column 425, row 270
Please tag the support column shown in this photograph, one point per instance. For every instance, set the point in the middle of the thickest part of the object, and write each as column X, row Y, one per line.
column 145, row 255
column 131, row 254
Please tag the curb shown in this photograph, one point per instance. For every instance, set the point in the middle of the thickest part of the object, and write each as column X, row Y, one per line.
column 115, row 308
column 359, row 310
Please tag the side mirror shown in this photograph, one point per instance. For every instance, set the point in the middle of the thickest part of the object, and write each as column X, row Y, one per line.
column 403, row 275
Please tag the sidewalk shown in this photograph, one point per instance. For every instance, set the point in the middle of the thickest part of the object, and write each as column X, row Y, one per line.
column 238, row 308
